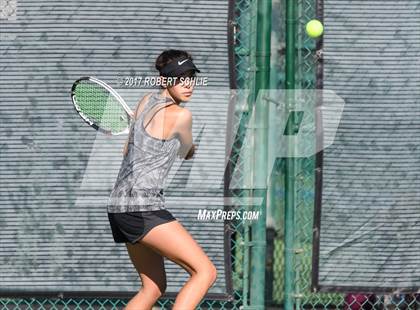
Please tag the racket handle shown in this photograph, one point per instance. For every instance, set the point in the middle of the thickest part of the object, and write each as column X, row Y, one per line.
column 191, row 151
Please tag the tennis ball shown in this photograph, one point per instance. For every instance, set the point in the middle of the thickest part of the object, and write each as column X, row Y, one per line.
column 314, row 28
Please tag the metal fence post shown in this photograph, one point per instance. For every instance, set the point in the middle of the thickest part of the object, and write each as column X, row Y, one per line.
column 290, row 160
column 262, row 81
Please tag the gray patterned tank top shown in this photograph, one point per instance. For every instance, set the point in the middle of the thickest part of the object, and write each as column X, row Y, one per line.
column 145, row 167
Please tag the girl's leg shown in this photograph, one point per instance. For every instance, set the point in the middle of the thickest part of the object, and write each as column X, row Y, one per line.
column 174, row 242
column 151, row 269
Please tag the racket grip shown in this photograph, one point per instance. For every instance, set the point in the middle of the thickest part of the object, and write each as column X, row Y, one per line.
column 125, row 149
column 191, row 152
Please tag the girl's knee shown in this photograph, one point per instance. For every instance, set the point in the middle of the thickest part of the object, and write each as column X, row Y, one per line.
column 154, row 292
column 213, row 274
column 208, row 273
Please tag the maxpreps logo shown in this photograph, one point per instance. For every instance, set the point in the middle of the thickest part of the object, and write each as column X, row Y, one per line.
column 219, row 214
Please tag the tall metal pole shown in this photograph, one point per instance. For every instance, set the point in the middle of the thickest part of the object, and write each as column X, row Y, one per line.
column 262, row 81
column 250, row 24
column 289, row 274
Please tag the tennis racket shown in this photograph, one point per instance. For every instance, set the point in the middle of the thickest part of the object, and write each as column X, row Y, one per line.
column 100, row 106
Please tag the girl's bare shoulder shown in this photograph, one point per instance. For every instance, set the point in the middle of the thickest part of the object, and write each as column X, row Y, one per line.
column 183, row 112
column 141, row 104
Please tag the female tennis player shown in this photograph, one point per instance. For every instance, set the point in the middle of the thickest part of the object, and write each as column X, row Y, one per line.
column 161, row 131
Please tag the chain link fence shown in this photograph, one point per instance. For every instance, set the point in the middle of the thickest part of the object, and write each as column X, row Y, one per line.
column 306, row 64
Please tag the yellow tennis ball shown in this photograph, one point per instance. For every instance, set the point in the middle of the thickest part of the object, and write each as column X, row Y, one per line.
column 314, row 28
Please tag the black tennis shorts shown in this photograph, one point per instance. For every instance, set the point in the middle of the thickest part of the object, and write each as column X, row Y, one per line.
column 133, row 226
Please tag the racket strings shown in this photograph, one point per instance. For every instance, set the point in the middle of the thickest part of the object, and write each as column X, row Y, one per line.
column 101, row 107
